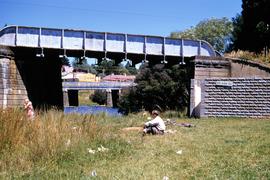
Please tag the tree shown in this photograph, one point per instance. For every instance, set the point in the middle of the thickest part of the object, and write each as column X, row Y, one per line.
column 82, row 64
column 251, row 28
column 215, row 31
column 132, row 70
column 65, row 61
column 157, row 86
column 236, row 37
column 86, row 68
column 107, row 67
column 129, row 101
column 99, row 97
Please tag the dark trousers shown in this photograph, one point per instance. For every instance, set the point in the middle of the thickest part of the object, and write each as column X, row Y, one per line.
column 153, row 130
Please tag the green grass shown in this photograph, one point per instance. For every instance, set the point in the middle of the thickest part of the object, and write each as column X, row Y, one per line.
column 84, row 99
column 56, row 146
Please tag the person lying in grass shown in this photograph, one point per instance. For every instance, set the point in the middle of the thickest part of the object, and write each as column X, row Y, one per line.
column 154, row 126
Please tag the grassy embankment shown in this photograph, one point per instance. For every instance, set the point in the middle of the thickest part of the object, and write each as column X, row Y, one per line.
column 257, row 57
column 58, row 146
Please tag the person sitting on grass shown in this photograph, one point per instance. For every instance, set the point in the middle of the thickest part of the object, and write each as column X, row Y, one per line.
column 154, row 126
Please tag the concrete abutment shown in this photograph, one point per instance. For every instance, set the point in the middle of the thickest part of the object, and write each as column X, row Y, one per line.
column 229, row 88
column 12, row 88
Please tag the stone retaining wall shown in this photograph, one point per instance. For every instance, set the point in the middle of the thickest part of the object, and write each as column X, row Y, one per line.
column 248, row 68
column 236, row 97
column 12, row 89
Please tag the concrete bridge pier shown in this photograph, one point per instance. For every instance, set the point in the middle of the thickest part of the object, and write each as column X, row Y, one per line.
column 112, row 97
column 65, row 98
column 109, row 98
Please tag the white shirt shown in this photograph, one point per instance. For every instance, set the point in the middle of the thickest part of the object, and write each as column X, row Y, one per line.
column 161, row 125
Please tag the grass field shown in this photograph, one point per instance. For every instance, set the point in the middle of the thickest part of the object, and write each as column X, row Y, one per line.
column 84, row 98
column 58, row 146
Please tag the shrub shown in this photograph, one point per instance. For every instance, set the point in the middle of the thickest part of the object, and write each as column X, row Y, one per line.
column 99, row 97
column 158, row 86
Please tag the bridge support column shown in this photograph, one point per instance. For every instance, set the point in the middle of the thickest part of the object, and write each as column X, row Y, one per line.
column 65, row 98
column 12, row 88
column 109, row 98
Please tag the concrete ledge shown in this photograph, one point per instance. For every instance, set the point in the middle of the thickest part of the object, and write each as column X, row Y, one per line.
column 250, row 63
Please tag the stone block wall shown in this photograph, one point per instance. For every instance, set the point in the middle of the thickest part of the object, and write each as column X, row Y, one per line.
column 235, row 97
column 12, row 89
column 209, row 67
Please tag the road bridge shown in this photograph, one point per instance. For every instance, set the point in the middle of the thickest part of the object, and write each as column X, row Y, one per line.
column 96, row 85
column 70, row 91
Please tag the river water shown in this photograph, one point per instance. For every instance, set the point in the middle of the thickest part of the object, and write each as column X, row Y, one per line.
column 92, row 110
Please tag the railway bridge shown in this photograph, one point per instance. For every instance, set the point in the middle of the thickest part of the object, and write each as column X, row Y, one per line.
column 31, row 57
column 30, row 64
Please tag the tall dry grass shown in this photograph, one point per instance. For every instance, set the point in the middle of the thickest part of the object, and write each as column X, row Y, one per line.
column 58, row 146
column 27, row 142
column 247, row 55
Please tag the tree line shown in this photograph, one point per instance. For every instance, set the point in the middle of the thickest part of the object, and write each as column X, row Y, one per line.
column 248, row 30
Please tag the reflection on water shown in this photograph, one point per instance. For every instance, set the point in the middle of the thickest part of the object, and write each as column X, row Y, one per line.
column 92, row 110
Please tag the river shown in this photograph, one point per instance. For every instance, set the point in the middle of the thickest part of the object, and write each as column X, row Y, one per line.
column 92, row 110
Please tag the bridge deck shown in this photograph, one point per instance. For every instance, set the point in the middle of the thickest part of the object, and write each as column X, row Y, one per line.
column 35, row 37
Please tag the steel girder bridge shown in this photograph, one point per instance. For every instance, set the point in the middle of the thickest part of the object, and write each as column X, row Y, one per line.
column 42, row 78
column 81, row 43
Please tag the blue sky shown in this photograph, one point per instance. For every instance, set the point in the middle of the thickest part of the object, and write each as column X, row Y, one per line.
column 148, row 17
